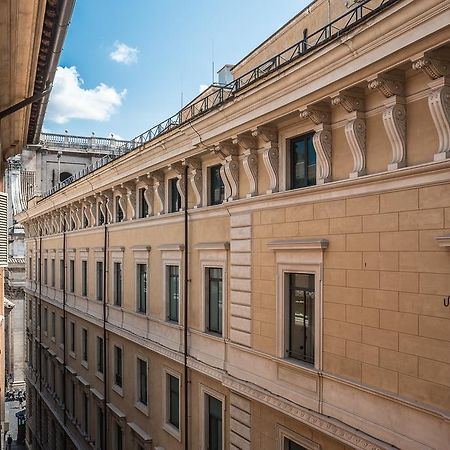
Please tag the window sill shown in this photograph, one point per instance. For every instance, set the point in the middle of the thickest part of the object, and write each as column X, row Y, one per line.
column 215, row 336
column 99, row 375
column 299, row 364
column 173, row 431
column 141, row 407
column 72, row 355
column 85, row 364
column 118, row 390
column 53, row 339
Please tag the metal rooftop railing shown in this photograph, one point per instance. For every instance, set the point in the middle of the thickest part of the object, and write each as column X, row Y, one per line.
column 363, row 10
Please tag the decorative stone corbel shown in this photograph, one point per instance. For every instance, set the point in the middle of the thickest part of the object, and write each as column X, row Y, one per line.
column 147, row 194
column 158, row 192
column 195, row 178
column 228, row 152
column 394, row 116
column 269, row 136
column 437, row 67
column 248, row 145
column 355, row 128
column 129, row 190
column 181, row 182
column 108, row 210
column 320, row 116
column 91, row 211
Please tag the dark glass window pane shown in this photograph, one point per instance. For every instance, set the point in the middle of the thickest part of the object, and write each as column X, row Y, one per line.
column 174, row 394
column 142, row 381
column 84, row 274
column 174, row 199
column 303, row 162
column 72, row 275
column 53, row 273
column 290, row 445
column 215, row 299
column 61, row 274
column 173, row 292
column 214, row 423
column 99, row 267
column 99, row 354
column 301, row 316
column 216, row 187
column 118, row 284
column 141, row 288
column 118, row 366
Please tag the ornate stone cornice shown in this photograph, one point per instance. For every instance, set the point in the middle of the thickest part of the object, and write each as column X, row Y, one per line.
column 337, row 430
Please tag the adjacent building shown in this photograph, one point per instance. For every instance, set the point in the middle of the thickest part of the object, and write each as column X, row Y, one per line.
column 268, row 268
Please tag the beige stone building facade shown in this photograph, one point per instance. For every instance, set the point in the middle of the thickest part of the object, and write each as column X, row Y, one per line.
column 300, row 301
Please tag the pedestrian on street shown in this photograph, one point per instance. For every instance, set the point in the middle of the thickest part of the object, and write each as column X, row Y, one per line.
column 9, row 442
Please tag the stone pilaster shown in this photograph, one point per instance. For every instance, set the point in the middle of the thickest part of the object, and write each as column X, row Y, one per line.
column 240, row 279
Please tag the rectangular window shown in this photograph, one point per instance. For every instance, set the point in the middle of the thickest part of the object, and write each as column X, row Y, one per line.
column 53, row 325
column 118, row 369
column 62, row 329
column 142, row 203
column 100, row 429
column 301, row 293
column 84, row 344
column 71, row 275
column 118, row 284
column 173, row 292
column 53, row 272
column 174, row 196
column 45, row 271
column 302, row 162
column 216, row 191
column 214, row 423
column 84, row 276
column 45, row 320
column 30, row 268
column 39, row 269
column 142, row 381
column 62, row 277
column 141, row 288
column 100, row 358
column 99, row 280
column 214, row 294
column 291, row 445
column 73, row 396
column 85, row 412
column 118, row 437
column 119, row 212
column 72, row 337
column 173, row 413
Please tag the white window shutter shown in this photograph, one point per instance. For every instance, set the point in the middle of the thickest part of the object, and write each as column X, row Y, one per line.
column 3, row 229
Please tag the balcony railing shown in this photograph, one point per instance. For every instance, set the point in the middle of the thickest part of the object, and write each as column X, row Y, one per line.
column 105, row 145
column 222, row 93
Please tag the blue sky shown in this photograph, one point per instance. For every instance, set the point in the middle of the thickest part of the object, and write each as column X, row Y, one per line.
column 135, row 58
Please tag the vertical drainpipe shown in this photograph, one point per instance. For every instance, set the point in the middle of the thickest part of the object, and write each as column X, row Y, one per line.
column 105, row 346
column 185, row 304
column 40, row 336
column 64, row 327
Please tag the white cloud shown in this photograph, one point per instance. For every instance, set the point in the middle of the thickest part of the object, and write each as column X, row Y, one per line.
column 123, row 53
column 202, row 88
column 69, row 100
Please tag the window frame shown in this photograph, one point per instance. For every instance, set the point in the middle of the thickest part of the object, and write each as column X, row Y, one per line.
column 209, row 168
column 289, row 156
column 72, row 343
column 206, row 286
column 167, row 283
column 99, row 358
column 99, row 287
column 117, row 280
column 206, row 391
column 118, row 388
column 84, row 347
column 143, row 407
column 172, row 191
column 139, row 263
column 84, row 277
column 167, row 426
column 52, row 272
column 71, row 275
column 285, row 434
